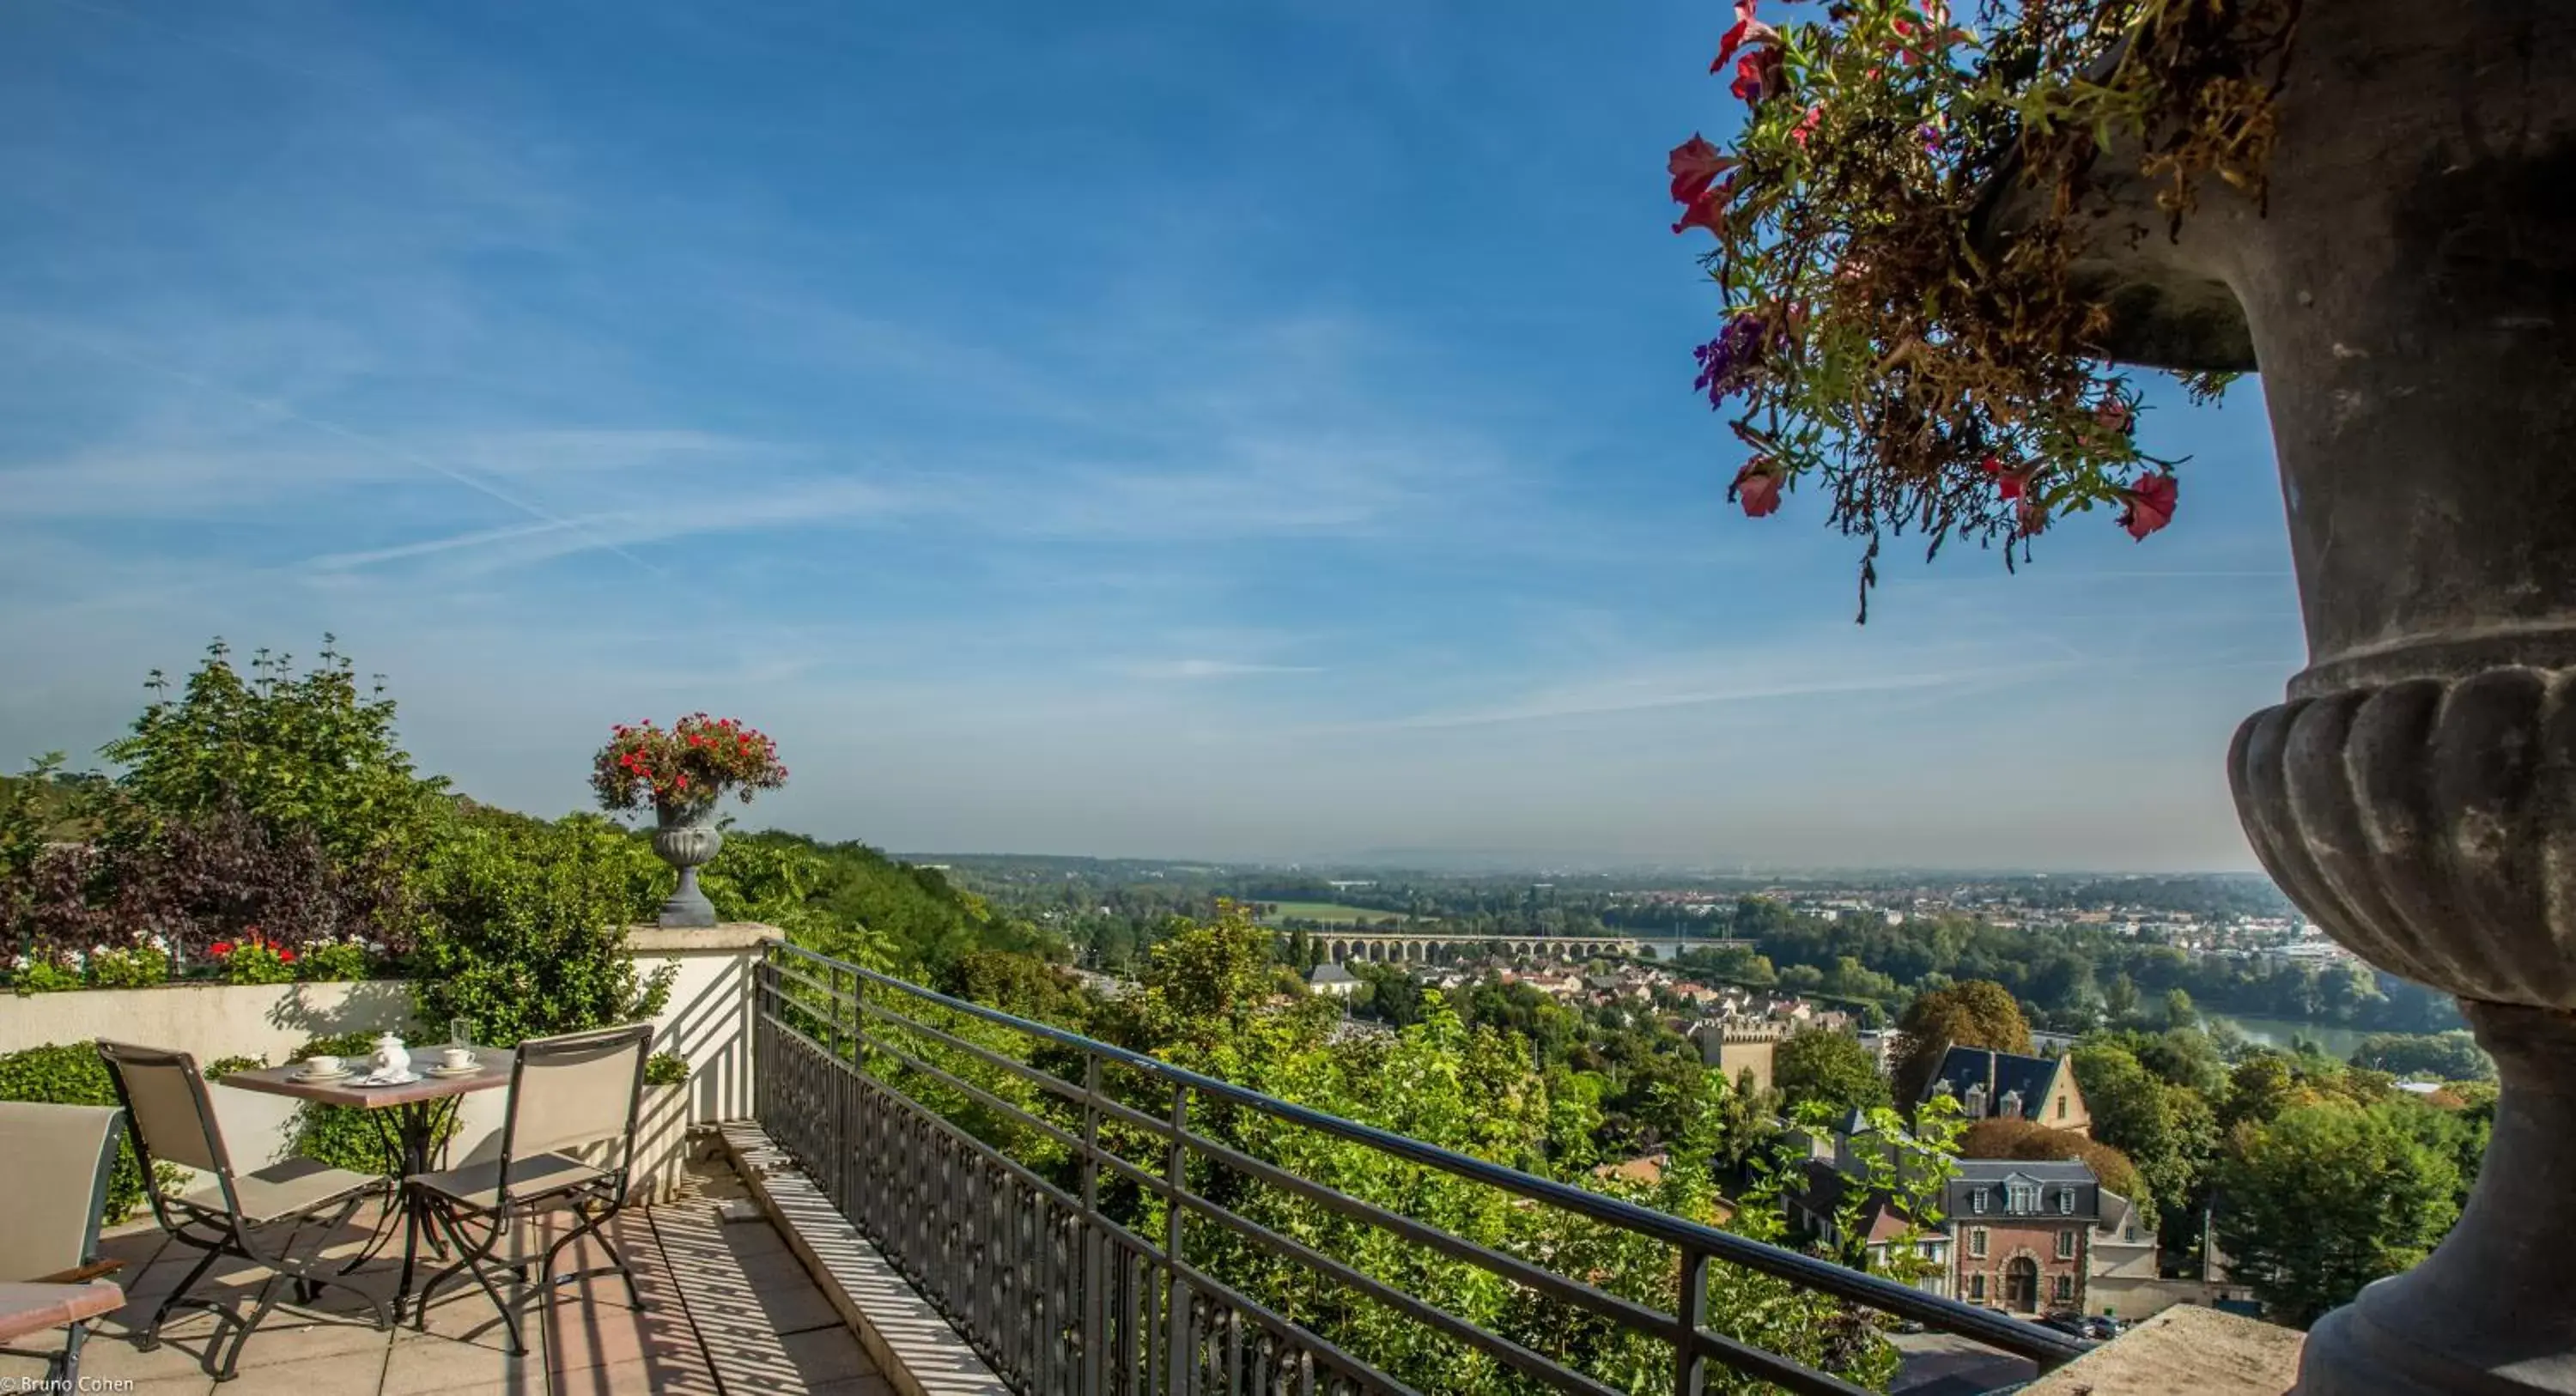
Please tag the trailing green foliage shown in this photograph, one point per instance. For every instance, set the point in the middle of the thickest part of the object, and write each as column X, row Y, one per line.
column 666, row 1069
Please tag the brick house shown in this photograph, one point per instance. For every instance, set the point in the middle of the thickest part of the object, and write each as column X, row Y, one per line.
column 2021, row 1233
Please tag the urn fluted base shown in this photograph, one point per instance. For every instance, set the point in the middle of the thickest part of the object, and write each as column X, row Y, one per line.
column 687, row 839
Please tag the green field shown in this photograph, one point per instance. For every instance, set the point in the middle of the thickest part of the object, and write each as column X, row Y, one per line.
column 1330, row 913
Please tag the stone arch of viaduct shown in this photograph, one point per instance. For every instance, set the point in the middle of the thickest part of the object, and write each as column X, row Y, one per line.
column 1421, row 949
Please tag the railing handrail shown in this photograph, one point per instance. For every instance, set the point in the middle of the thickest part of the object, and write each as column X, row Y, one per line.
column 2042, row 1345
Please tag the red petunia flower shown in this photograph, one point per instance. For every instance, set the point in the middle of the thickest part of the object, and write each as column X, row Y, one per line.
column 1807, row 125
column 1694, row 165
column 2114, row 415
column 1757, row 488
column 1758, row 73
column 1708, row 210
column 1747, row 30
column 2150, row 504
column 220, row 949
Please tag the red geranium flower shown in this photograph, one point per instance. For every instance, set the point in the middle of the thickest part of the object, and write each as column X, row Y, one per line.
column 1757, row 488
column 220, row 949
column 2151, row 504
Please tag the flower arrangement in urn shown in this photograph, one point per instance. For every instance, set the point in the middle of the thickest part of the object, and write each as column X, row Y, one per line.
column 680, row 774
column 1902, row 224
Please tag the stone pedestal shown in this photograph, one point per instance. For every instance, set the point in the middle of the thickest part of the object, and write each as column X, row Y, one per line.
column 2408, row 292
column 687, row 839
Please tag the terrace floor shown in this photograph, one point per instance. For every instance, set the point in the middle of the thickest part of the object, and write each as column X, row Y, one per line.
column 728, row 1310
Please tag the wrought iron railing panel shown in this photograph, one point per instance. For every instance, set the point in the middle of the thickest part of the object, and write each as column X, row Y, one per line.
column 1056, row 1281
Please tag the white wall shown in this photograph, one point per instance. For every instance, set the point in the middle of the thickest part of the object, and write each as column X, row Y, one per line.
column 708, row 1022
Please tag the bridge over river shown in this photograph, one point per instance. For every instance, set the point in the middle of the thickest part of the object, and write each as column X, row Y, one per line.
column 1419, row 947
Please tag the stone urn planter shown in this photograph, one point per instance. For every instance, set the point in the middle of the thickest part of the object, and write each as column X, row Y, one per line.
column 2409, row 296
column 687, row 838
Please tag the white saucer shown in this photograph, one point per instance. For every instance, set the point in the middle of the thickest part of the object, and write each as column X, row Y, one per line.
column 319, row 1077
column 404, row 1079
column 450, row 1073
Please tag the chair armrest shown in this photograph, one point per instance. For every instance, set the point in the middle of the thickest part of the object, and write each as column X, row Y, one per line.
column 82, row 1274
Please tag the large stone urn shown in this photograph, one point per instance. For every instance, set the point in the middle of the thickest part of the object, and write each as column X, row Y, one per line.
column 2409, row 296
column 686, row 837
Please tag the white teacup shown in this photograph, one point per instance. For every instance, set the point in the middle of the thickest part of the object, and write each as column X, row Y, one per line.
column 456, row 1058
column 321, row 1066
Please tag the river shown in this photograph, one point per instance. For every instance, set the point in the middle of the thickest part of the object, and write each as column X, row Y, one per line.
column 2277, row 1032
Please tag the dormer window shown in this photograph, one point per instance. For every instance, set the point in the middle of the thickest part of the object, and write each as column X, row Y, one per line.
column 1975, row 1105
column 1977, row 1199
column 2009, row 1108
column 2066, row 1202
column 2021, row 1197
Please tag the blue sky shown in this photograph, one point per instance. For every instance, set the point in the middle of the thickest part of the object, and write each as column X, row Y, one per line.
column 1169, row 429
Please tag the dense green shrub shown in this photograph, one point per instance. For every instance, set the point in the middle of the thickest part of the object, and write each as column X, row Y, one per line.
column 332, row 961
column 526, row 929
column 666, row 1069
column 137, row 968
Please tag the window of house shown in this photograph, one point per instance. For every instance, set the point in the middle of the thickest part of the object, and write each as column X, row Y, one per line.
column 1977, row 1242
column 2061, row 1107
column 1977, row 1284
column 2021, row 1197
column 2066, row 1289
column 2066, row 1202
column 1977, row 1199
column 2066, row 1245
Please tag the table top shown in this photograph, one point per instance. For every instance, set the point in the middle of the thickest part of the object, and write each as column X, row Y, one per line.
column 280, row 1080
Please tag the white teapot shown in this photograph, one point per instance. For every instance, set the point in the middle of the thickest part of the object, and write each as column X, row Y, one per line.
column 391, row 1059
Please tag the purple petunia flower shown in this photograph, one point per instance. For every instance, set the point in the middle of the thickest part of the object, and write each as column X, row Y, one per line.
column 1931, row 138
column 1727, row 361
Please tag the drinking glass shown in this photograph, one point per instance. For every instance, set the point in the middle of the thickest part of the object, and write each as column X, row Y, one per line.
column 460, row 1032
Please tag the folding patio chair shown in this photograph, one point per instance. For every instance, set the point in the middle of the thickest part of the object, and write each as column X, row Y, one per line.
column 51, row 1272
column 578, row 1092
column 257, row 1216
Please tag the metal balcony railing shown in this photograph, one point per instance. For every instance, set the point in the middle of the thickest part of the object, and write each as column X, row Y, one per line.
column 1062, row 1291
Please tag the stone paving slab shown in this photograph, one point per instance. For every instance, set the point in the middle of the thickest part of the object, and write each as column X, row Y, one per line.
column 727, row 1311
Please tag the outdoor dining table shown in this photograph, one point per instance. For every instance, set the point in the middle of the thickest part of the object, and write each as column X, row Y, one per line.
column 412, row 1119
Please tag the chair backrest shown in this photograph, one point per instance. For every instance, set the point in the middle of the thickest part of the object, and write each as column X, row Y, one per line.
column 577, row 1089
column 59, row 1157
column 165, row 1102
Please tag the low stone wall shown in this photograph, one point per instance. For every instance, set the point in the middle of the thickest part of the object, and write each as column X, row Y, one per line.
column 707, row 1022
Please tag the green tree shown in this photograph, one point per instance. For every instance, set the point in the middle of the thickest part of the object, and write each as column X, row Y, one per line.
column 305, row 752
column 2178, row 1010
column 2120, row 1000
column 1831, row 1068
column 525, row 929
column 2447, row 1056
column 2327, row 1198
column 1973, row 1013
column 2169, row 1132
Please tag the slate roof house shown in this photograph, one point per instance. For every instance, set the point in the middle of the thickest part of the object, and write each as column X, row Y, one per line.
column 2023, row 1233
column 2007, row 1085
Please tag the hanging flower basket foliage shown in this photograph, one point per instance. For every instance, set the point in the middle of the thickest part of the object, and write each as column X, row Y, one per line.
column 1890, row 341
